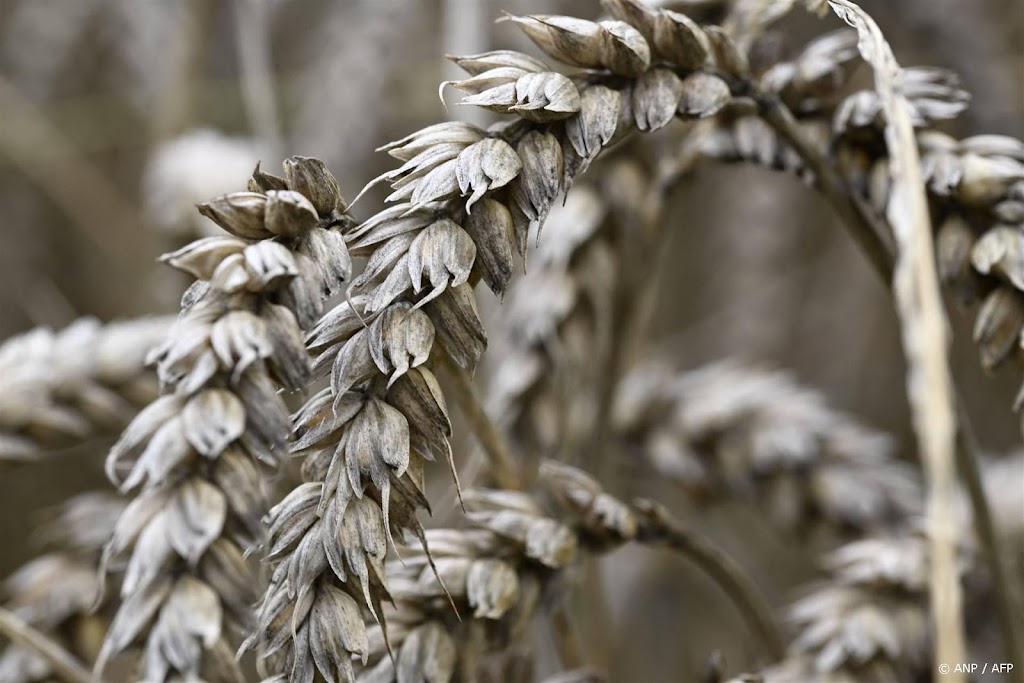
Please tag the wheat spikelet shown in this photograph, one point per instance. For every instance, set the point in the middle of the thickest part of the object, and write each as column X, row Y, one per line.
column 60, row 388
column 57, row 592
column 728, row 430
column 868, row 620
column 195, row 453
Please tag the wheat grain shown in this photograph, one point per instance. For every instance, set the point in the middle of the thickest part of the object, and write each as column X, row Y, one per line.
column 62, row 388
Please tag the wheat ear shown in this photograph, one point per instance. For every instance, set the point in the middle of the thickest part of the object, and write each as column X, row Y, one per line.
column 61, row 388
column 869, row 618
column 56, row 593
column 729, row 430
column 195, row 454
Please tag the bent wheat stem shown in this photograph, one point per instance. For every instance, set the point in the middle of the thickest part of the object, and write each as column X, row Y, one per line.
column 657, row 527
column 65, row 666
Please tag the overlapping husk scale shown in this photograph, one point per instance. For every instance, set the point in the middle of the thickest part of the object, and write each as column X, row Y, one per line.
column 867, row 619
column 58, row 592
column 727, row 430
column 497, row 575
column 198, row 454
column 60, row 388
column 464, row 202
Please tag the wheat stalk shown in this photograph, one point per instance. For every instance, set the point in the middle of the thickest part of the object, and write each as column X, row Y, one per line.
column 195, row 453
column 61, row 388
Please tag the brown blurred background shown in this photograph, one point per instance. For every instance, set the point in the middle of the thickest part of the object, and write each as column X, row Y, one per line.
column 116, row 116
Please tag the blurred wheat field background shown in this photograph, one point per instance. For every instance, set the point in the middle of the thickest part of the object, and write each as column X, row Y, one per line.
column 118, row 117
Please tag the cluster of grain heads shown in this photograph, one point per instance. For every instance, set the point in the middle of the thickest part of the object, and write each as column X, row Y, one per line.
column 497, row 576
column 867, row 619
column 465, row 200
column 57, row 592
column 61, row 388
column 726, row 431
column 194, row 455
column 977, row 187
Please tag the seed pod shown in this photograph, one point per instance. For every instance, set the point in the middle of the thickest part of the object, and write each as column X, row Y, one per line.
column 195, row 519
column 538, row 184
column 953, row 245
column 289, row 213
column 656, row 96
column 598, row 119
column 201, row 258
column 820, row 67
column 680, row 40
column 439, row 133
column 445, row 253
column 213, row 419
column 400, row 338
column 993, row 146
column 545, row 97
column 336, row 632
column 567, row 39
column 478, row 64
column 458, row 326
column 492, row 588
column 986, row 179
column 390, row 222
column 240, row 213
column 607, row 519
column 485, row 165
column 997, row 330
column 703, row 95
column 499, row 99
column 311, row 178
column 264, row 182
column 268, row 264
column 728, row 56
column 859, row 110
column 327, row 250
column 1009, row 211
column 428, row 654
column 239, row 339
column 490, row 227
column 418, row 396
column 1000, row 251
column 492, row 78
column 623, row 50
column 942, row 171
column 439, row 183
column 634, row 13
